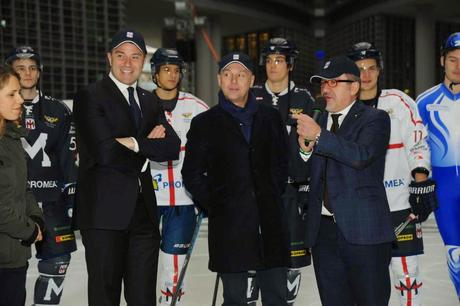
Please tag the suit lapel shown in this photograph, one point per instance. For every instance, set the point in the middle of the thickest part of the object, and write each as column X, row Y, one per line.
column 352, row 116
column 118, row 98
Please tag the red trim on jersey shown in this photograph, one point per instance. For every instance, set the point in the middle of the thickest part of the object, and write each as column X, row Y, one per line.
column 182, row 148
column 395, row 146
column 406, row 105
column 197, row 101
column 172, row 193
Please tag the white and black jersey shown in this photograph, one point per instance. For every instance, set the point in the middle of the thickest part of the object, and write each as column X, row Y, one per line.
column 50, row 147
column 293, row 101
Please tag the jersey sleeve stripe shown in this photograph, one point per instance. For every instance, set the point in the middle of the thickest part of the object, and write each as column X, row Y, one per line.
column 415, row 122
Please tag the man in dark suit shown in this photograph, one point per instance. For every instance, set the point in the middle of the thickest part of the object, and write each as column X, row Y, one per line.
column 119, row 127
column 236, row 168
column 349, row 223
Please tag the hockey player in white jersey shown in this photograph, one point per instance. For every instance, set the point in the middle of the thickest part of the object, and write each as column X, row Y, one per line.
column 440, row 110
column 407, row 164
column 175, row 206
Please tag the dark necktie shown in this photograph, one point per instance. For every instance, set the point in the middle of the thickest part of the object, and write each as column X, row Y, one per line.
column 334, row 128
column 134, row 107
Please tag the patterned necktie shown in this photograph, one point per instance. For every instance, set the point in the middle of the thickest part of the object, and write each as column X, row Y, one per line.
column 334, row 128
column 134, row 107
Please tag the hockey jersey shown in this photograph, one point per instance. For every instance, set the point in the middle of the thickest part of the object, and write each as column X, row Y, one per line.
column 296, row 101
column 408, row 148
column 50, row 147
column 167, row 178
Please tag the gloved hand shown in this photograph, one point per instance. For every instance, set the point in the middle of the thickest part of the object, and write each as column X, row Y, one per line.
column 423, row 198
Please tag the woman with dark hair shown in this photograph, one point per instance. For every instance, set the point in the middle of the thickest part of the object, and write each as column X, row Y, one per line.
column 21, row 220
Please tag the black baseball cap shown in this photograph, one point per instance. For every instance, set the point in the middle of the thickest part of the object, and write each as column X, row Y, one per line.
column 236, row 57
column 128, row 36
column 335, row 67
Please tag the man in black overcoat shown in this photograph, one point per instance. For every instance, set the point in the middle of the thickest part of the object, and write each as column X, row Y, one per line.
column 235, row 168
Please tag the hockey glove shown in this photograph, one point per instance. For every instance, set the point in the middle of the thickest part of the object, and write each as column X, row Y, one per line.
column 423, row 198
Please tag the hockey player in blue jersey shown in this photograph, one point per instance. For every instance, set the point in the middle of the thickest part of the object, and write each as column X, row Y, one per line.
column 279, row 91
column 50, row 149
column 439, row 108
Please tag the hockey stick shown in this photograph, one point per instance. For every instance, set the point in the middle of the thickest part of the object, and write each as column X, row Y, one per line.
column 176, row 293
column 216, row 288
column 403, row 225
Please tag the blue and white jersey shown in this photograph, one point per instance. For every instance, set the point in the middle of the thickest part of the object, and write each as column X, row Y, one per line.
column 440, row 111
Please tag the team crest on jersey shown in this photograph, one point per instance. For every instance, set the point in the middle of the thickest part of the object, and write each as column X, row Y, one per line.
column 295, row 111
column 437, row 108
column 30, row 123
column 418, row 230
column 29, row 110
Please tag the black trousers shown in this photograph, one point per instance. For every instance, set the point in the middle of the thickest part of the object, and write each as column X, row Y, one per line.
column 349, row 274
column 130, row 256
column 13, row 286
column 272, row 283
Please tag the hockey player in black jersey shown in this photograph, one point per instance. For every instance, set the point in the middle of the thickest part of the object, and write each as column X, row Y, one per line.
column 279, row 91
column 51, row 156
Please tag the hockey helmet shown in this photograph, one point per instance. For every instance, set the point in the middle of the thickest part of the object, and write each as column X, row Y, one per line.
column 279, row 45
column 452, row 42
column 23, row 52
column 364, row 50
column 163, row 56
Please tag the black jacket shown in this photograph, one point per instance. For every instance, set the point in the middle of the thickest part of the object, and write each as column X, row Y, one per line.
column 239, row 185
column 109, row 173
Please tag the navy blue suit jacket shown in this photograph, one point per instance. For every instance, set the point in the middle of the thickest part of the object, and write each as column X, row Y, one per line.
column 355, row 164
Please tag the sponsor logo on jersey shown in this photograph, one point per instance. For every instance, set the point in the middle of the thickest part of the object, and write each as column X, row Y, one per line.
column 407, row 237
column 437, row 108
column 64, row 238
column 42, row 184
column 298, row 253
column 394, row 183
column 295, row 111
column 187, row 115
column 30, row 123
column 51, row 121
column 177, row 184
column 156, row 180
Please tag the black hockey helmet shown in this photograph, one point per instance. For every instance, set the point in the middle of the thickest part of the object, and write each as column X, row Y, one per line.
column 364, row 50
column 23, row 52
column 452, row 42
column 279, row 45
column 163, row 56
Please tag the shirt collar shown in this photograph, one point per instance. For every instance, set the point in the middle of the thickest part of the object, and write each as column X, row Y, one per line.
column 121, row 86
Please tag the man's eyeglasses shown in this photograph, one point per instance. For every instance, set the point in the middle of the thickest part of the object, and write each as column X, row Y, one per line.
column 333, row 82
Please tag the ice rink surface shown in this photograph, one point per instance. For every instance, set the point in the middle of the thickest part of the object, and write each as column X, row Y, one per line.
column 437, row 288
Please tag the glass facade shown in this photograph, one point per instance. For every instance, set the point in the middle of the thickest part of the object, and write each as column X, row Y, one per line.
column 72, row 37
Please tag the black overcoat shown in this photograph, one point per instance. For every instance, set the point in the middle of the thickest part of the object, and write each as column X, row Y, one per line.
column 239, row 185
